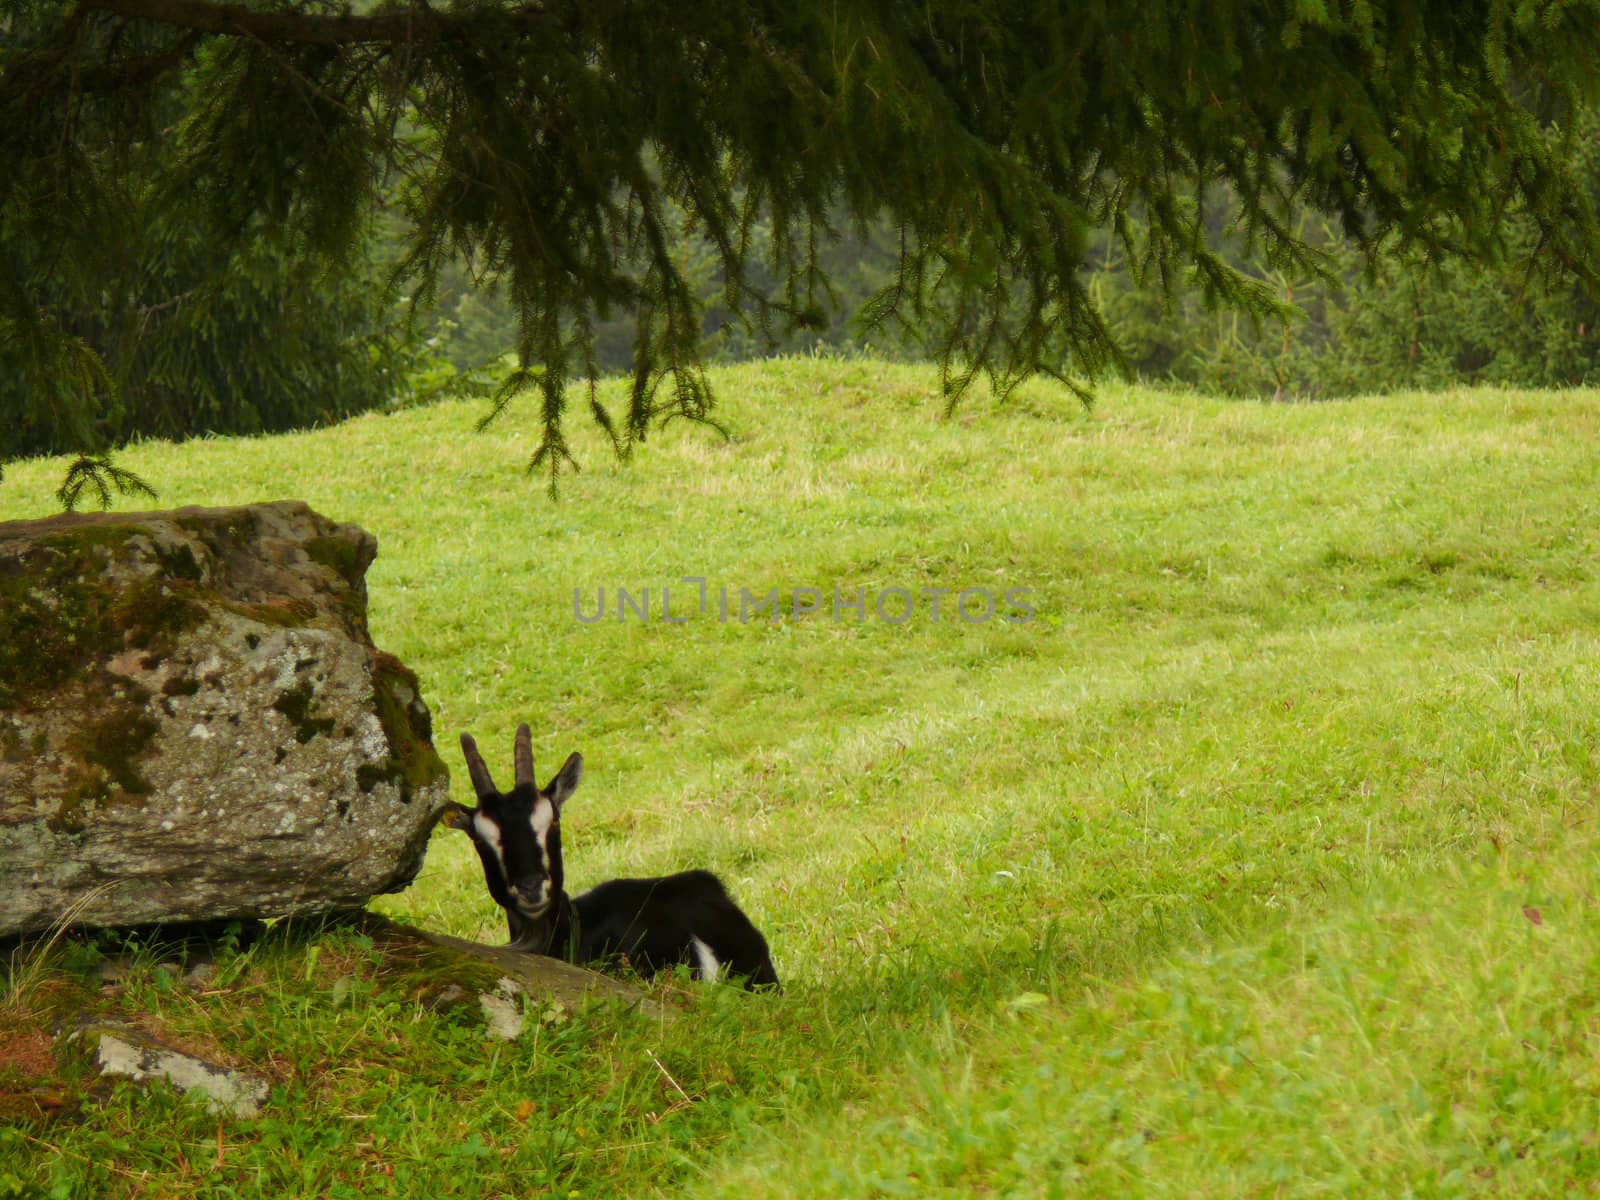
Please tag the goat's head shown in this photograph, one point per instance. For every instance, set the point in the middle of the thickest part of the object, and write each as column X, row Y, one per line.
column 517, row 833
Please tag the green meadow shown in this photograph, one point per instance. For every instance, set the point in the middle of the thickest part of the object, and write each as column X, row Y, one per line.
column 1260, row 861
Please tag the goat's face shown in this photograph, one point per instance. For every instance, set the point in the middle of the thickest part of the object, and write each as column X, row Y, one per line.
column 518, row 833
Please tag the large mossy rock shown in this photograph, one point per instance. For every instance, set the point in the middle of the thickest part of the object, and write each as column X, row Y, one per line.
column 195, row 725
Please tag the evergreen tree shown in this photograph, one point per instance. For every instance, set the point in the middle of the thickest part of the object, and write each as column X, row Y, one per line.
column 548, row 143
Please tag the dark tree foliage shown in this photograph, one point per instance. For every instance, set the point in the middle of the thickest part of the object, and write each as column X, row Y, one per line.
column 123, row 316
column 553, row 143
column 198, row 336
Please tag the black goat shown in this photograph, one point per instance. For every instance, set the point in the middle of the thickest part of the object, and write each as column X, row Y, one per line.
column 649, row 923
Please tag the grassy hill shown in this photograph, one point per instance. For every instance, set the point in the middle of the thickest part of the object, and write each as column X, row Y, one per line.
column 1259, row 861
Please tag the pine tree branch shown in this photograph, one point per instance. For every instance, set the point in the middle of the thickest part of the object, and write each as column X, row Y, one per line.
column 416, row 24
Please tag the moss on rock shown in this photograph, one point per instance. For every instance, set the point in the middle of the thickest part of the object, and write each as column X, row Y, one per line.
column 295, row 704
column 115, row 743
column 292, row 613
column 151, row 614
column 413, row 762
column 344, row 556
column 110, row 749
column 54, row 621
column 62, row 613
column 137, row 656
column 179, row 562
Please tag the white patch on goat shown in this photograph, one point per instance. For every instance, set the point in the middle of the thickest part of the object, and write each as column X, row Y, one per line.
column 703, row 958
column 489, row 834
column 542, row 817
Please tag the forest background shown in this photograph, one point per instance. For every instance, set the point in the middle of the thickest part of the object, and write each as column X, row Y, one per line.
column 283, row 342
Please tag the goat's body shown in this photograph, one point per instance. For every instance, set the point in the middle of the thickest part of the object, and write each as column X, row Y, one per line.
column 649, row 924
column 652, row 925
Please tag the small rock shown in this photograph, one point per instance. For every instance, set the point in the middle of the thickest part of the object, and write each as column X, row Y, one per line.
column 504, row 1015
column 122, row 1050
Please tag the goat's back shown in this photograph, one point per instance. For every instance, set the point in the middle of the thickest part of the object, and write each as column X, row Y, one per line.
column 656, row 923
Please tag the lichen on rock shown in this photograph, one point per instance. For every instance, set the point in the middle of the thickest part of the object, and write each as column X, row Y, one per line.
column 121, row 1049
column 195, row 725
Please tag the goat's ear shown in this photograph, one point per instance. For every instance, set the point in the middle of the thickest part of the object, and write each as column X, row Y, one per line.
column 566, row 781
column 457, row 816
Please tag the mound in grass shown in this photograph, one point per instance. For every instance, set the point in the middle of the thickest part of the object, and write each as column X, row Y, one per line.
column 1186, row 885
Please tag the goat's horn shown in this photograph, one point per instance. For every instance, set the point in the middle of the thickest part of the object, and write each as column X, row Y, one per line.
column 482, row 783
column 524, row 756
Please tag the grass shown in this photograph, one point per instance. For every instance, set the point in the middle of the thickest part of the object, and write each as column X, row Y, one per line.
column 1259, row 862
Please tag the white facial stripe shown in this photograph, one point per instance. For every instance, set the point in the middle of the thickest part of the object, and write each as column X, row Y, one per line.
column 703, row 958
column 489, row 833
column 542, row 817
